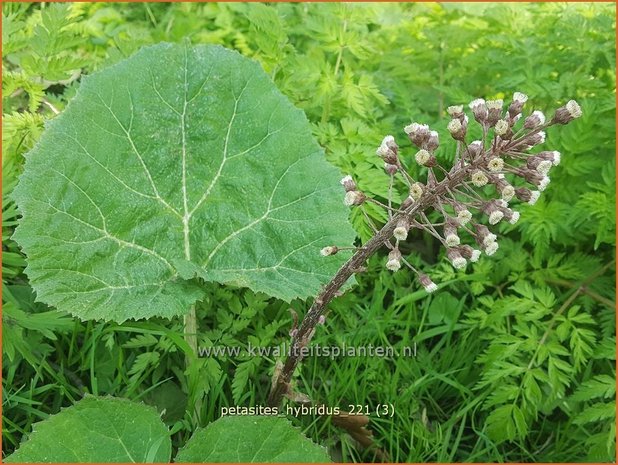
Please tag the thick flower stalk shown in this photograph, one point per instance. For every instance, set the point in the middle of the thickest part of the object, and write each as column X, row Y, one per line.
column 488, row 179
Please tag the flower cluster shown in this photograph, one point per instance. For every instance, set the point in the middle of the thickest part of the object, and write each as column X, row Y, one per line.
column 486, row 175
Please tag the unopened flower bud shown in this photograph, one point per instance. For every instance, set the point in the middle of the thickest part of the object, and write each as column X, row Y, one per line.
column 536, row 138
column 394, row 260
column 417, row 133
column 479, row 110
column 348, row 183
column 494, row 212
column 432, row 142
column 536, row 119
column 322, row 319
column 390, row 169
column 537, row 163
column 353, row 198
column 511, row 216
column 450, row 235
column 494, row 111
column 387, row 153
column 469, row 253
column 427, row 283
column 483, row 235
column 330, row 250
column 456, row 259
column 567, row 113
column 479, row 179
column 517, row 104
column 495, row 164
column 550, row 155
column 416, row 190
column 526, row 195
column 474, row 149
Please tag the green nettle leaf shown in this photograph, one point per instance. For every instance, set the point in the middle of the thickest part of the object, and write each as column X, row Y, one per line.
column 178, row 163
column 251, row 439
column 98, row 429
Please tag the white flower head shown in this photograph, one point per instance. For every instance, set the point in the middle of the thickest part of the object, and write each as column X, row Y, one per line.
column 502, row 203
column 393, row 265
column 543, row 184
column 454, row 126
column 534, row 196
column 495, row 164
column 455, row 110
column 452, row 240
column 507, row 193
column 353, row 198
column 416, row 190
column 495, row 104
column 400, row 233
column 347, row 179
column 479, row 179
column 520, row 97
column 476, row 254
column 476, row 102
column 330, row 250
column 574, row 109
column 383, row 150
column 495, row 216
column 415, row 127
column 556, row 160
column 427, row 283
column 491, row 248
column 544, row 166
column 422, row 157
column 464, row 216
column 514, row 218
column 431, row 287
column 542, row 136
column 459, row 263
column 501, row 127
column 388, row 140
column 489, row 238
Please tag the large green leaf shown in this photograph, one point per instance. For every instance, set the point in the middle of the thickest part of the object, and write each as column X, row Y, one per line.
column 251, row 439
column 179, row 162
column 98, row 429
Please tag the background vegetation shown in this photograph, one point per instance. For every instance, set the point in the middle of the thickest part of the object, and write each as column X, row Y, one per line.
column 516, row 357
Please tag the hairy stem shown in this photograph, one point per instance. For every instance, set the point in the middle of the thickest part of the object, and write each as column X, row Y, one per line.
column 190, row 324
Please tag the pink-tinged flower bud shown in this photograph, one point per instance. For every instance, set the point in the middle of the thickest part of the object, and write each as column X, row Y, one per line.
column 417, row 133
column 536, row 119
column 550, row 155
column 537, row 163
column 474, row 149
column 424, row 158
column 432, row 142
column 455, row 111
column 536, row 138
column 401, row 230
column 387, row 154
column 394, row 260
column 354, row 198
column 450, row 235
column 495, row 164
column 348, row 183
column 517, row 104
column 322, row 319
column 456, row 259
column 416, row 190
column 502, row 129
column 389, row 141
column 469, row 253
column 479, row 179
column 510, row 215
column 390, row 169
column 526, row 195
column 457, row 129
column 330, row 250
column 479, row 110
column 494, row 111
column 427, row 283
column 567, row 113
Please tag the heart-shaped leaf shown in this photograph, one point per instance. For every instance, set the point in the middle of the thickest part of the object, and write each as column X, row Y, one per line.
column 179, row 162
column 98, row 429
column 251, row 439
